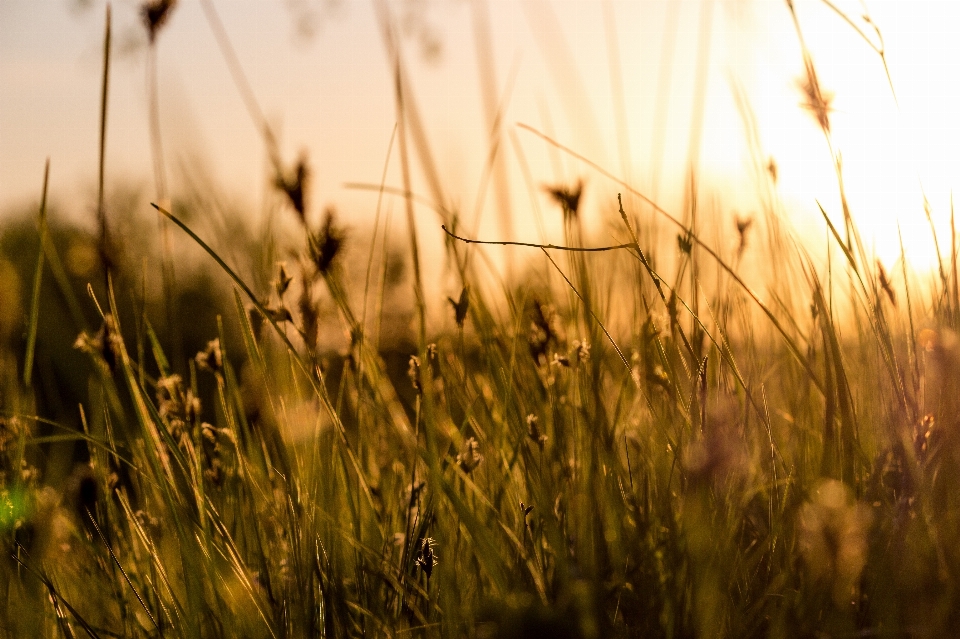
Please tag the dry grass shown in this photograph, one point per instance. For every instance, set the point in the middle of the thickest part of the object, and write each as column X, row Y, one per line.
column 697, row 462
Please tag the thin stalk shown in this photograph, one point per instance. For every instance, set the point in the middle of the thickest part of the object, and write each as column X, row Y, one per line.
column 37, row 278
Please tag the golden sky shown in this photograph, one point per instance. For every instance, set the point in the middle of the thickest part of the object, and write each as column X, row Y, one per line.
column 626, row 83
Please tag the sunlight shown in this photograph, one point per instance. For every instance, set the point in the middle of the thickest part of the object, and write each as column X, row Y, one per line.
column 893, row 150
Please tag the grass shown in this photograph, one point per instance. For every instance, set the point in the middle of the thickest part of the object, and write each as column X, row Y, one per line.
column 631, row 443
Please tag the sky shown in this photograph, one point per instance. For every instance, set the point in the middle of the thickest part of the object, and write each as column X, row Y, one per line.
column 628, row 84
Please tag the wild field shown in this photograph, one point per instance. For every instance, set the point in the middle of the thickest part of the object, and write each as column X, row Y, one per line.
column 272, row 440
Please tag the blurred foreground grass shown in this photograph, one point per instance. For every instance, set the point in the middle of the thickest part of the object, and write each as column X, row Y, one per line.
column 214, row 459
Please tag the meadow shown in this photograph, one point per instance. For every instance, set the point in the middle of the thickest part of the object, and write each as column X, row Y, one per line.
column 271, row 435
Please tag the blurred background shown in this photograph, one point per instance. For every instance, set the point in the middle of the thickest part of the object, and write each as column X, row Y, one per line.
column 646, row 89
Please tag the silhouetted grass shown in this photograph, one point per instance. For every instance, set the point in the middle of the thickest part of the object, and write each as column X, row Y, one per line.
column 630, row 442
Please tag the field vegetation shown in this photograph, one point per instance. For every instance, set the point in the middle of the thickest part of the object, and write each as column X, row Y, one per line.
column 272, row 436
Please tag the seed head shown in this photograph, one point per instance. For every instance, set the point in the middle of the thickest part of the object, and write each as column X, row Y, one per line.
column 283, row 279
column 568, row 198
column 460, row 306
column 155, row 14
column 815, row 99
column 471, row 457
column 211, row 358
column 325, row 244
column 295, row 187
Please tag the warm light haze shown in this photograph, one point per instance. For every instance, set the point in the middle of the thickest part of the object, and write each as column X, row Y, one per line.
column 626, row 84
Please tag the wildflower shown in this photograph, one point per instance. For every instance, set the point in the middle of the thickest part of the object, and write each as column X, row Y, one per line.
column 833, row 539
column 426, row 556
column 211, row 358
column 471, row 457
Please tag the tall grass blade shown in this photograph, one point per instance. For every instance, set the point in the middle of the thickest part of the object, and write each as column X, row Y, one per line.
column 37, row 279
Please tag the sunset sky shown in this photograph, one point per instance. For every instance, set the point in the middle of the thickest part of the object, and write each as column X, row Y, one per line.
column 321, row 74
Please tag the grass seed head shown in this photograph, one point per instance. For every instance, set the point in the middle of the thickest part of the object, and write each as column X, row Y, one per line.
column 816, row 100
column 461, row 306
column 283, row 279
column 568, row 198
column 326, row 244
column 295, row 186
column 106, row 345
column 210, row 358
column 155, row 14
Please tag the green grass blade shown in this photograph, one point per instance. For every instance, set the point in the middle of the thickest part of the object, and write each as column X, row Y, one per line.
column 37, row 278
